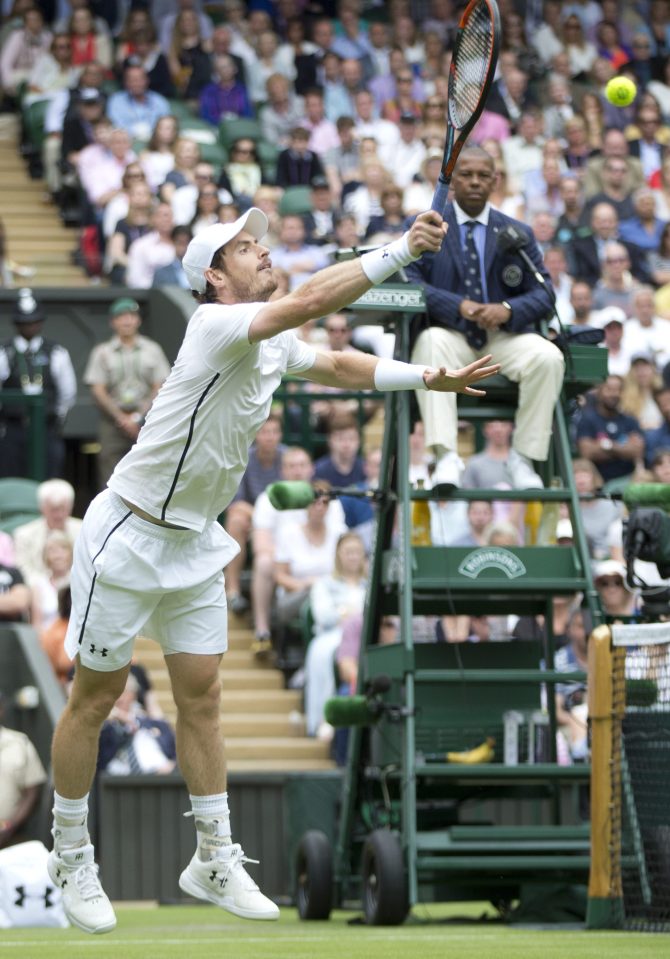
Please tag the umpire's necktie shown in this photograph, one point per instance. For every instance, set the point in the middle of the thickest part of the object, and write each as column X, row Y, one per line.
column 472, row 276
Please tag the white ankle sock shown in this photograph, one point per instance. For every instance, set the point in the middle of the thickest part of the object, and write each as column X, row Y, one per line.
column 212, row 823
column 70, row 822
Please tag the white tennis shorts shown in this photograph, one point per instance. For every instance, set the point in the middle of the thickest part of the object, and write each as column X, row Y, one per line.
column 130, row 576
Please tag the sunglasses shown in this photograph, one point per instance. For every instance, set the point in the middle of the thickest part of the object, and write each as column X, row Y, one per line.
column 610, row 581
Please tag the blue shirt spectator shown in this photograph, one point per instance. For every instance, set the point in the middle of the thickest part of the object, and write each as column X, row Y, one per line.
column 606, row 436
column 659, row 438
column 136, row 108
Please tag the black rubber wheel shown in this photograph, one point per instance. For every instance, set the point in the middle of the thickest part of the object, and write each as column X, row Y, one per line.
column 385, row 900
column 314, row 876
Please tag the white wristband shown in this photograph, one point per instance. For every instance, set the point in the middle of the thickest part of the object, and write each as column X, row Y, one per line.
column 394, row 375
column 379, row 264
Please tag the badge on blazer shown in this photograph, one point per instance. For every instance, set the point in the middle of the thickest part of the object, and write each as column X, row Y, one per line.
column 512, row 275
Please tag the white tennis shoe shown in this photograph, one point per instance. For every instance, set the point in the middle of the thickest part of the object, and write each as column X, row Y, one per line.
column 225, row 882
column 85, row 902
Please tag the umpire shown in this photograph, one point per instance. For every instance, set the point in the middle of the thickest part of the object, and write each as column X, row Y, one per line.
column 35, row 365
column 481, row 300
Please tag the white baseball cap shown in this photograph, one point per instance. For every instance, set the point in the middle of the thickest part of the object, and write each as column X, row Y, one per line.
column 200, row 251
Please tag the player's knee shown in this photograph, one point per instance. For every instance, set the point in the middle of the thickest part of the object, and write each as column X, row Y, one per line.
column 199, row 702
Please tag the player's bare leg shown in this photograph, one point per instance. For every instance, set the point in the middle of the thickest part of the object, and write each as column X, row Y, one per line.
column 71, row 864
column 216, row 872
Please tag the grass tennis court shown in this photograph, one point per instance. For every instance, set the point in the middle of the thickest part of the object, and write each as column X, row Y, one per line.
column 206, row 933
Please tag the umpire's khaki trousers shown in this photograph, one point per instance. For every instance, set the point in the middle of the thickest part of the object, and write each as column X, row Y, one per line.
column 526, row 358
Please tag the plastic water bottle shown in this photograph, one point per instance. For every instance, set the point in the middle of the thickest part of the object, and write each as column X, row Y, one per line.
column 546, row 534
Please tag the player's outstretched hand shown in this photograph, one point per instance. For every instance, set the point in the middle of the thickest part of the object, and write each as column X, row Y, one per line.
column 458, row 381
column 427, row 233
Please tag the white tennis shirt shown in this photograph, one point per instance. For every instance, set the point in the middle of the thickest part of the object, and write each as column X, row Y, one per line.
column 194, row 446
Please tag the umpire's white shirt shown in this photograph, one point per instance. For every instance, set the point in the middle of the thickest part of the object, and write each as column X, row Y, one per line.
column 193, row 448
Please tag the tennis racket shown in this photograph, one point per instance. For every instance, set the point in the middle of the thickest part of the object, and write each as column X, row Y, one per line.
column 473, row 65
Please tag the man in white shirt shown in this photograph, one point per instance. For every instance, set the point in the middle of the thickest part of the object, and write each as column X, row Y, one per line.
column 368, row 125
column 405, row 157
column 151, row 552
column 645, row 332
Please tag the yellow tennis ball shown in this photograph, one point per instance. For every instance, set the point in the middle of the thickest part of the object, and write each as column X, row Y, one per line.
column 620, row 91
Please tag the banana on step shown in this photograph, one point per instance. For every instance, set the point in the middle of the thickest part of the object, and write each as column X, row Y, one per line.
column 483, row 753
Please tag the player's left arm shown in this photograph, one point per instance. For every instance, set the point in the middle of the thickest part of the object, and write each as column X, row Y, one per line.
column 360, row 371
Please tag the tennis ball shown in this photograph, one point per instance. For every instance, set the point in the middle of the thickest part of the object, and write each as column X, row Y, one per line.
column 620, row 91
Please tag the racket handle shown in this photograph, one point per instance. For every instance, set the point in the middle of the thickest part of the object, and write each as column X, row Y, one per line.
column 440, row 196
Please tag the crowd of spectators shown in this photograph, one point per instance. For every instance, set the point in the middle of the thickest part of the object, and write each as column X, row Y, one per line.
column 348, row 99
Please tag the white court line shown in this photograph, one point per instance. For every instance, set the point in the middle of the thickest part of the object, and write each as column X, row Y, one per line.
column 445, row 936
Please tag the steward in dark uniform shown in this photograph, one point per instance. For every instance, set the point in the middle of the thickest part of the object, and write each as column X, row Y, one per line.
column 33, row 364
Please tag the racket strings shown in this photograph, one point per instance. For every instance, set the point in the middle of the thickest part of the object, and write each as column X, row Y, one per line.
column 470, row 66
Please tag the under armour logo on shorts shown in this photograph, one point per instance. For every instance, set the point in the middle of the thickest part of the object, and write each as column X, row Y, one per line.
column 103, row 652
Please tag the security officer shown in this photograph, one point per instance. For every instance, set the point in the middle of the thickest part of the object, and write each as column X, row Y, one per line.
column 33, row 364
column 124, row 374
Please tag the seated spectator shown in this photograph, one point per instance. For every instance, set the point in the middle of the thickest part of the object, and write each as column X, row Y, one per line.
column 571, row 705
column 151, row 251
column 23, row 777
column 419, row 195
column 332, row 599
column 244, row 174
column 44, row 587
column 304, row 552
column 343, row 163
column 659, row 438
column 61, row 148
column 55, row 499
column 117, row 208
column 124, row 375
column 323, row 132
column 403, row 101
column 263, row 468
column 173, row 274
column 15, row 596
column 53, row 72
column 598, row 515
column 342, row 465
column 186, row 160
column 645, row 332
column 641, row 385
column 52, row 638
column 296, row 465
column 136, row 108
column 158, row 159
column 581, row 52
column 137, row 18
column 22, row 49
column 298, row 165
column 606, row 436
column 523, row 151
column 206, row 209
column 609, row 578
column 573, row 217
column 298, row 48
column 660, row 465
column 610, row 46
column 611, row 321
column 494, row 468
column 131, row 227
column 264, row 62
column 615, row 191
column 299, row 258
column 147, row 54
column 319, row 222
column 390, row 225
column 168, row 23
column 88, row 44
column 102, row 164
column 658, row 261
column 281, row 112
column 131, row 742
column 188, row 57
column 616, row 285
column 614, row 144
column 648, row 146
column 226, row 95
column 644, row 230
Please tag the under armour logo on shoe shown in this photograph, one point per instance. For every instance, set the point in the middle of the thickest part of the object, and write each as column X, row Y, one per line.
column 79, row 857
column 103, row 652
column 214, row 878
column 22, row 895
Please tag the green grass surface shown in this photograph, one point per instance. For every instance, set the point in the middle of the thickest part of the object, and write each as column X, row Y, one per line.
column 433, row 933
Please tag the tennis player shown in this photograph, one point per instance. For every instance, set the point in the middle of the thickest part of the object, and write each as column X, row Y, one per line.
column 150, row 554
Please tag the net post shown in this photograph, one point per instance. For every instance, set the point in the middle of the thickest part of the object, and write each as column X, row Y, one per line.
column 605, row 897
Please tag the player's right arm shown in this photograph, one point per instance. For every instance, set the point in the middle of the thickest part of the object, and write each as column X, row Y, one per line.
column 337, row 286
